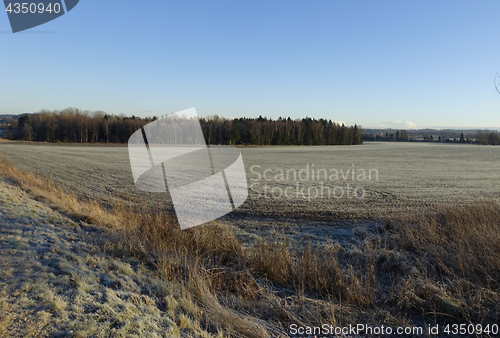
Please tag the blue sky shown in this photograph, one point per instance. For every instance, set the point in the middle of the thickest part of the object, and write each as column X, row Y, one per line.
column 400, row 64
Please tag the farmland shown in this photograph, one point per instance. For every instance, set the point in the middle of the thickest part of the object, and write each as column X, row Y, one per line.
column 405, row 176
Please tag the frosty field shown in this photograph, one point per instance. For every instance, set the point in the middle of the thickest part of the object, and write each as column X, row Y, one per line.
column 410, row 176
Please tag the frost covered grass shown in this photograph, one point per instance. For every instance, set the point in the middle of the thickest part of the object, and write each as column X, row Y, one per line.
column 62, row 283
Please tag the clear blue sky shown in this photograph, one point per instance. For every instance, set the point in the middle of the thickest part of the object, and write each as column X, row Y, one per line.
column 423, row 63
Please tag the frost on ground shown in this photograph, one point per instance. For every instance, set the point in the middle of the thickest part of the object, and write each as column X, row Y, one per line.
column 55, row 280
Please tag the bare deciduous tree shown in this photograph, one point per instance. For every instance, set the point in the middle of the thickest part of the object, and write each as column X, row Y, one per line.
column 497, row 76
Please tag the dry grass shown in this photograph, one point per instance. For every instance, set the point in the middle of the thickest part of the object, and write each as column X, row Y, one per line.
column 443, row 264
column 455, row 259
column 44, row 189
column 317, row 271
column 459, row 242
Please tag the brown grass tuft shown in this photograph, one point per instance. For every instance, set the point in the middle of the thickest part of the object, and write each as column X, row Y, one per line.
column 458, row 242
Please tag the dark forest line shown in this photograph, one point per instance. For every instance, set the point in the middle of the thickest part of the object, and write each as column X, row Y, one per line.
column 76, row 126
column 483, row 137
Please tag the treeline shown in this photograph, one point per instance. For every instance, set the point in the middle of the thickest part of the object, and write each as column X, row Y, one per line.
column 73, row 125
column 484, row 137
column 264, row 131
column 487, row 137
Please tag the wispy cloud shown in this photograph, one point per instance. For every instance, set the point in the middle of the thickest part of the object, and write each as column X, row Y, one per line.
column 400, row 125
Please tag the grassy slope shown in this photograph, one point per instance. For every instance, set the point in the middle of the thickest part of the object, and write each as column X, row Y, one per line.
column 57, row 280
